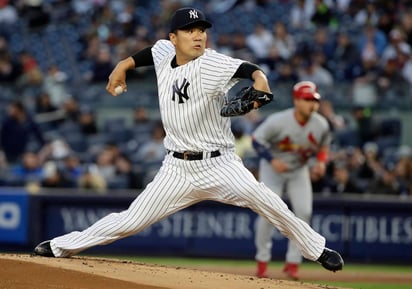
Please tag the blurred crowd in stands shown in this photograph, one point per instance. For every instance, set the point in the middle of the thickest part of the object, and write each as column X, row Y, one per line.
column 52, row 50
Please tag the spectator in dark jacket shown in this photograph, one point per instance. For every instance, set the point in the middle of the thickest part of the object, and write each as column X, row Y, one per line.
column 16, row 129
column 386, row 183
column 341, row 182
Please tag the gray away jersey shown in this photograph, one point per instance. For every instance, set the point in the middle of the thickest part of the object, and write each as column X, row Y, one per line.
column 191, row 96
column 290, row 141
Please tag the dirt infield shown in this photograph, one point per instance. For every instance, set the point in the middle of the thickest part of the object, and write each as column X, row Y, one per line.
column 24, row 271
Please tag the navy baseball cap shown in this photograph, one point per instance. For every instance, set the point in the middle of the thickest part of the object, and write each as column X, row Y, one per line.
column 186, row 17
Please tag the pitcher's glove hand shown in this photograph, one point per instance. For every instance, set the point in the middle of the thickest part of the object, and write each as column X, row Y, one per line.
column 244, row 101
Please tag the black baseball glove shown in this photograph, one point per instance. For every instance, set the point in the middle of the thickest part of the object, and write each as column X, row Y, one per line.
column 244, row 101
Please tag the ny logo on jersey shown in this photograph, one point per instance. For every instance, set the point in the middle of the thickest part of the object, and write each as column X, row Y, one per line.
column 181, row 91
column 193, row 14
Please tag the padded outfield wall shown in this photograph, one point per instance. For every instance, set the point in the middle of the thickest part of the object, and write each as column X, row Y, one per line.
column 363, row 228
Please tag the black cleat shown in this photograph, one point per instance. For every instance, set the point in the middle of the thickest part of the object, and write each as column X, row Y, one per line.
column 43, row 249
column 330, row 260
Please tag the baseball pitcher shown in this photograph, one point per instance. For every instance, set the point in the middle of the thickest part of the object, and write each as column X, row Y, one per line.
column 200, row 163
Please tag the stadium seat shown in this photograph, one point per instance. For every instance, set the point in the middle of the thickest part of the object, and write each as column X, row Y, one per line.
column 118, row 182
column 120, row 135
column 69, row 128
column 96, row 142
column 390, row 133
column 77, row 142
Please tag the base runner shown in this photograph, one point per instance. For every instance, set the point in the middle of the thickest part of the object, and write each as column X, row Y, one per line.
column 285, row 141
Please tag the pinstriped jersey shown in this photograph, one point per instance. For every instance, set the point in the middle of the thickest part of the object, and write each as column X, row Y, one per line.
column 290, row 141
column 191, row 97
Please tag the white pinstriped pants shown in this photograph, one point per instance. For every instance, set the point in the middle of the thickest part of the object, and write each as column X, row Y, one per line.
column 179, row 184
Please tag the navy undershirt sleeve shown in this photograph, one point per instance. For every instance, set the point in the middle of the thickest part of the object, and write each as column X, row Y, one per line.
column 143, row 57
column 246, row 70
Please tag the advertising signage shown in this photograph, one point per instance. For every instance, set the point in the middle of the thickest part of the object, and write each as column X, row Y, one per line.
column 14, row 216
column 382, row 231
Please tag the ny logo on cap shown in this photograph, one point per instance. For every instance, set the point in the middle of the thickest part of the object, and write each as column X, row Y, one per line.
column 193, row 14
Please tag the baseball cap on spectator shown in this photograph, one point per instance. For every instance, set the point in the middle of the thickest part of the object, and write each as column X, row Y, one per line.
column 404, row 151
column 86, row 109
column 339, row 165
column 389, row 166
column 187, row 17
column 395, row 34
column 371, row 147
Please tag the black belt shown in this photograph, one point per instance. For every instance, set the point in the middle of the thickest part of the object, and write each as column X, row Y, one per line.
column 193, row 156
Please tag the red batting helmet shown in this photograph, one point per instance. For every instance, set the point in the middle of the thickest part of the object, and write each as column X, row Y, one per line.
column 306, row 90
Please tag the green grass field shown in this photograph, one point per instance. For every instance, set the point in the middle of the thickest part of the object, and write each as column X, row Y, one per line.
column 358, row 269
column 377, row 269
column 368, row 285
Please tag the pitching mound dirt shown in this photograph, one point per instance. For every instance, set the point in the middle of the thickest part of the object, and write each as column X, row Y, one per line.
column 24, row 271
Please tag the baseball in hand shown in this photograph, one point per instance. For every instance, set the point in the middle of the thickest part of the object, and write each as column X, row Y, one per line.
column 118, row 90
